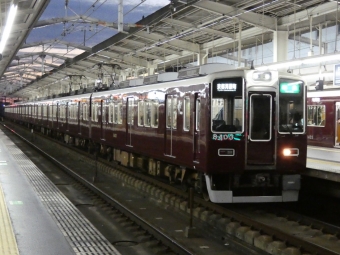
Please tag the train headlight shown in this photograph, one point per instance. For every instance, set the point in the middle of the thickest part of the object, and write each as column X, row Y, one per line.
column 290, row 152
column 262, row 76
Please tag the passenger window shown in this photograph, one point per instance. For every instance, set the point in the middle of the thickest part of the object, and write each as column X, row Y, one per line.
column 186, row 116
column 171, row 112
column 94, row 116
column 147, row 114
column 111, row 112
column 85, row 112
column 141, row 113
column 198, row 114
column 130, row 111
column 154, row 114
column 316, row 115
column 104, row 113
column 119, row 113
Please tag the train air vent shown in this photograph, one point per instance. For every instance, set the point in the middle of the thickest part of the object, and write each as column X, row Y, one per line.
column 136, row 82
column 124, row 84
column 150, row 79
column 203, row 70
column 162, row 77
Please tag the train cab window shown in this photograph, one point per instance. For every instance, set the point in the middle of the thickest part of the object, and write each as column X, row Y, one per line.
column 316, row 115
column 186, row 115
column 171, row 112
column 154, row 113
column 291, row 106
column 227, row 108
column 141, row 113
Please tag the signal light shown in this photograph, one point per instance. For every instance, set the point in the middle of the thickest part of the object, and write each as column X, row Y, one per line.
column 319, row 85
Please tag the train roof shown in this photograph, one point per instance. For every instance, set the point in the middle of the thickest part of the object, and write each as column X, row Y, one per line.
column 199, row 74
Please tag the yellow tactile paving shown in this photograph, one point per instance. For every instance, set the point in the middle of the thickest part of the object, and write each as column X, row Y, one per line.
column 8, row 244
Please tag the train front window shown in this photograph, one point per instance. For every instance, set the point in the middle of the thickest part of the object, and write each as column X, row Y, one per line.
column 227, row 105
column 291, row 106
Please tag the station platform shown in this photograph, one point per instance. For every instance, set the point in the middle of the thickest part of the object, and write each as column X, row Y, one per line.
column 323, row 163
column 35, row 217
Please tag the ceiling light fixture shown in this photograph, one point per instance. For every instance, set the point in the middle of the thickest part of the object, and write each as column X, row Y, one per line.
column 302, row 61
column 8, row 27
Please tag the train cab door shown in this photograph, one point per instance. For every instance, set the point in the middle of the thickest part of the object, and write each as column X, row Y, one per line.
column 129, row 120
column 261, row 142
column 170, row 125
column 337, row 124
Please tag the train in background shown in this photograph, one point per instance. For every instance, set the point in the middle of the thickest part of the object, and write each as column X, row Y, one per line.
column 323, row 118
column 234, row 135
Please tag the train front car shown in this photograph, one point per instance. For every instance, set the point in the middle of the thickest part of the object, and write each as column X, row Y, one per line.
column 257, row 147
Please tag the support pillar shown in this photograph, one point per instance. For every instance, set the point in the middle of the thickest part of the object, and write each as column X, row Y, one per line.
column 321, row 49
column 151, row 68
column 202, row 58
column 239, row 50
column 120, row 16
column 280, row 46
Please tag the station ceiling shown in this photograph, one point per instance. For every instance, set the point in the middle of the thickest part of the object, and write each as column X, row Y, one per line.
column 164, row 38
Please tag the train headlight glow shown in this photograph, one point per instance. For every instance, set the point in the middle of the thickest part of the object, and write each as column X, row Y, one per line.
column 262, row 76
column 286, row 152
column 290, row 152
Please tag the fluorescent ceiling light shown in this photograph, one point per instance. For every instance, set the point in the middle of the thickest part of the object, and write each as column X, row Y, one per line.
column 297, row 62
column 8, row 28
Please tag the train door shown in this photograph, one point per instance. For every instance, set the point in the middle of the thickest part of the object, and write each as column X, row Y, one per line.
column 170, row 124
column 337, row 124
column 261, row 142
column 129, row 120
column 197, row 126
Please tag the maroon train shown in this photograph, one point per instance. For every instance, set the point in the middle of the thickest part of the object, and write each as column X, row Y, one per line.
column 323, row 118
column 235, row 135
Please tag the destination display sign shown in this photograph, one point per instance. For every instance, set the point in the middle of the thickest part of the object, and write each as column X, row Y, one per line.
column 226, row 87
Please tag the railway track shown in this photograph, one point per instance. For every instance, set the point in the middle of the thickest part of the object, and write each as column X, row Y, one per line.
column 267, row 232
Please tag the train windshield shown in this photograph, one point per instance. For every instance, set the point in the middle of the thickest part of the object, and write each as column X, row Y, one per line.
column 291, row 106
column 227, row 105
